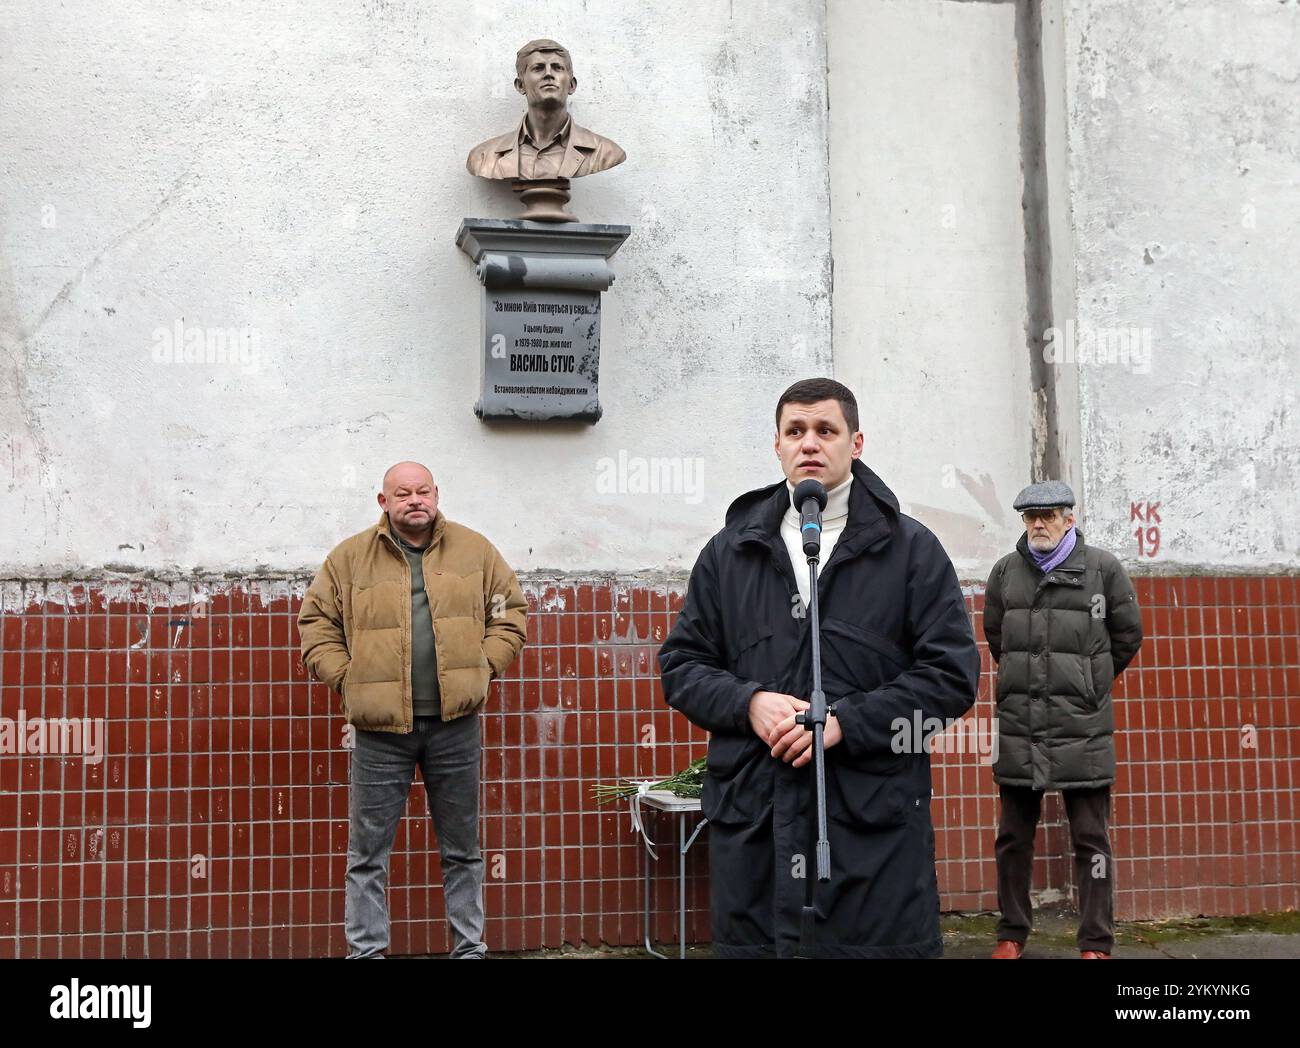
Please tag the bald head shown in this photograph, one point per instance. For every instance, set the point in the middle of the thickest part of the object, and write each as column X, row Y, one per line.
column 408, row 472
column 410, row 498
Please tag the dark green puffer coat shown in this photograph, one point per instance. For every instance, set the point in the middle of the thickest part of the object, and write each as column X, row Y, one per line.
column 1060, row 641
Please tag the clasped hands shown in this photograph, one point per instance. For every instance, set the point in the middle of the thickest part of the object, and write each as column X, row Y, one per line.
column 771, row 715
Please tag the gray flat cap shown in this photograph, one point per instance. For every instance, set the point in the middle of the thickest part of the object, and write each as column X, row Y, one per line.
column 1047, row 494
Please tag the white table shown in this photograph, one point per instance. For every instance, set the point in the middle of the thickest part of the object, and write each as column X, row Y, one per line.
column 680, row 808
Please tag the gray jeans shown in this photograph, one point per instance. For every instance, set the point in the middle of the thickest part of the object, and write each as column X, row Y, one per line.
column 383, row 765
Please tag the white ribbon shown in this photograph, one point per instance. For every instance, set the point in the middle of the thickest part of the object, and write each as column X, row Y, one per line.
column 634, row 809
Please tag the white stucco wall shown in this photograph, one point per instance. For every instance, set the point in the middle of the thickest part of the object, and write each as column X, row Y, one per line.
column 1184, row 162
column 298, row 169
column 928, row 243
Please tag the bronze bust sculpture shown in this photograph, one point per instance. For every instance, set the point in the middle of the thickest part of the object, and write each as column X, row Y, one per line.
column 547, row 148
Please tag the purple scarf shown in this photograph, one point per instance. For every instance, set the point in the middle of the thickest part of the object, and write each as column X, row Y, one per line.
column 1054, row 557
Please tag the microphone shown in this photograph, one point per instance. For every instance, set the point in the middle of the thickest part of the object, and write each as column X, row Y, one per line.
column 810, row 499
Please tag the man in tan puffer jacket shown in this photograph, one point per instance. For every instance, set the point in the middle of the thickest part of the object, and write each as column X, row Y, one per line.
column 409, row 621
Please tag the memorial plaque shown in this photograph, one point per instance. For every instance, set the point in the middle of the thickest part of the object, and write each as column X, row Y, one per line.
column 540, row 327
column 541, row 357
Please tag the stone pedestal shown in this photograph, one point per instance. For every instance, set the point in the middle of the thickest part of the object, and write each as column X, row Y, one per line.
column 540, row 333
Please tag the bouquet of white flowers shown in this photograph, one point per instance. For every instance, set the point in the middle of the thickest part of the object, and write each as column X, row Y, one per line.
column 686, row 783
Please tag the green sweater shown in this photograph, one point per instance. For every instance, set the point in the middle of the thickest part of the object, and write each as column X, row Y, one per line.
column 425, row 699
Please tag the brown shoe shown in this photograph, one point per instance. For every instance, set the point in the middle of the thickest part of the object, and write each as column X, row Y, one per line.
column 1094, row 955
column 1008, row 950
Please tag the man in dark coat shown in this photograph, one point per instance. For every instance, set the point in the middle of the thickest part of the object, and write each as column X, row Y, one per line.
column 1062, row 622
column 895, row 641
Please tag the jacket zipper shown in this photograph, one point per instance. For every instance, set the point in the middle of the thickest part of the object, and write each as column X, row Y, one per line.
column 424, row 578
column 407, row 721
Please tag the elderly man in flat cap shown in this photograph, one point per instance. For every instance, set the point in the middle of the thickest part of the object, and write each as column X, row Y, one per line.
column 1062, row 622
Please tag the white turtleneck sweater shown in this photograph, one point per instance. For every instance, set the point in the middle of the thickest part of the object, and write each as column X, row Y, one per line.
column 834, row 517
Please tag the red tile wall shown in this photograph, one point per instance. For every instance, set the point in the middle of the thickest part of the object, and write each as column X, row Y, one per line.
column 216, row 824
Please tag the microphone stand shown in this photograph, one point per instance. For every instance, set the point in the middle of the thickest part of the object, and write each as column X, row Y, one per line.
column 814, row 719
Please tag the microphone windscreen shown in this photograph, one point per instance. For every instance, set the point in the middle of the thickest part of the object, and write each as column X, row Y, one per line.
column 809, row 489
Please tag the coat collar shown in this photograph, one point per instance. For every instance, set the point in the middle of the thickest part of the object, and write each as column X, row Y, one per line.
column 580, row 145
column 1073, row 565
column 384, row 529
column 560, row 136
column 873, row 513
